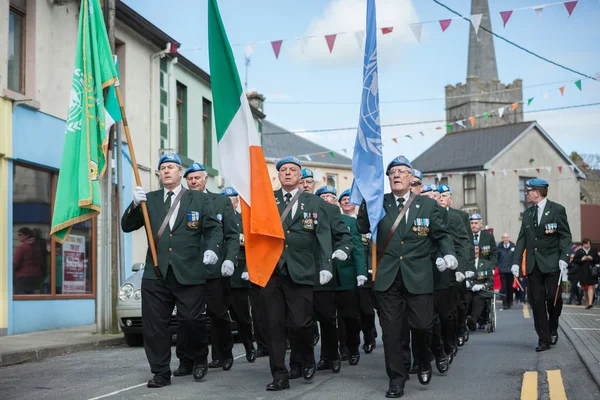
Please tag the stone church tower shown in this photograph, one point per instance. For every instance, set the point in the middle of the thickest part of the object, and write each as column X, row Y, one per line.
column 483, row 91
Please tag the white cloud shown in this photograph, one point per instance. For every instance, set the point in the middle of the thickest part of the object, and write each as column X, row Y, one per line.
column 349, row 16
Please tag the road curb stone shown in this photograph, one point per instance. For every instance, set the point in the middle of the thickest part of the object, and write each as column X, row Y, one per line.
column 584, row 353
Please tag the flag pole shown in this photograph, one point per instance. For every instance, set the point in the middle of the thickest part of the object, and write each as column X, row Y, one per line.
column 138, row 181
column 373, row 260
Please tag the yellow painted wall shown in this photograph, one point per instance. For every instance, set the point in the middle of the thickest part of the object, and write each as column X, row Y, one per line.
column 5, row 153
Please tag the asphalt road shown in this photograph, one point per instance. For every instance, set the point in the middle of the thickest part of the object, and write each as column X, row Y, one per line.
column 500, row 365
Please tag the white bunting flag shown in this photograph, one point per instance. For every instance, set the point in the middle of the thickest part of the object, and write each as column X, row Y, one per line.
column 548, row 169
column 572, row 168
column 504, row 172
column 417, row 28
column 500, row 112
column 460, row 123
column 538, row 11
column 303, row 42
column 249, row 50
column 360, row 39
column 482, row 173
column 439, row 176
column 308, row 157
column 545, row 96
column 476, row 21
column 526, row 169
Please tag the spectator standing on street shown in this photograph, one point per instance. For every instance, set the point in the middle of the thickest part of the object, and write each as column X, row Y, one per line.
column 28, row 263
column 506, row 249
column 575, row 293
column 586, row 257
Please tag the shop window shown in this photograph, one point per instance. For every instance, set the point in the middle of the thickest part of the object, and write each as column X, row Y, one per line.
column 207, row 127
column 469, row 190
column 16, row 46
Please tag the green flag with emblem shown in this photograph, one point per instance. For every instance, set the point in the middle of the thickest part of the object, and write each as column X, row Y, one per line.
column 91, row 114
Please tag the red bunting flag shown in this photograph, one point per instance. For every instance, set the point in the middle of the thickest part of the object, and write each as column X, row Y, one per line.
column 429, row 176
column 516, row 171
column 345, row 178
column 276, row 44
column 325, row 179
column 472, row 121
column 538, row 170
column 493, row 173
column 570, row 6
column 505, row 16
column 445, row 23
column 385, row 31
column 330, row 41
column 560, row 169
column 562, row 90
column 449, row 175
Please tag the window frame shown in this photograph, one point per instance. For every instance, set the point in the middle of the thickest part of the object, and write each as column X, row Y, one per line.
column 23, row 47
column 93, row 242
column 333, row 177
column 181, row 106
column 470, row 189
column 207, row 121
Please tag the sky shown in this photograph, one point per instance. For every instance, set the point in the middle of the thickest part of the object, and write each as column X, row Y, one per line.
column 308, row 88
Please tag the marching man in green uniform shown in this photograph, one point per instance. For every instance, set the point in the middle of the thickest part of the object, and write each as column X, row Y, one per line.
column 480, row 284
column 404, row 275
column 546, row 236
column 187, row 219
column 485, row 240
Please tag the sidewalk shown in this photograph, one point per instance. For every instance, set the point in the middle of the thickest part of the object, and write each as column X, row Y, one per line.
column 582, row 328
column 35, row 346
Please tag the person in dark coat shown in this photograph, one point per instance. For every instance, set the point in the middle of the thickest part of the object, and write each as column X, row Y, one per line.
column 586, row 257
column 506, row 248
column 575, row 294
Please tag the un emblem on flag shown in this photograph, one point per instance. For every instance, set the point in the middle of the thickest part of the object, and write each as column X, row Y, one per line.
column 93, row 171
column 75, row 108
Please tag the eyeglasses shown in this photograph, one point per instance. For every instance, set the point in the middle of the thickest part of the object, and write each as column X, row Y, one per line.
column 309, row 181
column 530, row 190
column 416, row 183
column 404, row 172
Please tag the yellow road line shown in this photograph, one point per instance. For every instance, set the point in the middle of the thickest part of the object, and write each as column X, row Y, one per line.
column 529, row 389
column 526, row 312
column 557, row 390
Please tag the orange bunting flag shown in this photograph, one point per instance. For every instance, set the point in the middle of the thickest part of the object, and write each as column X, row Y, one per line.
column 322, row 155
column 472, row 121
column 394, row 140
column 562, row 90
column 515, row 105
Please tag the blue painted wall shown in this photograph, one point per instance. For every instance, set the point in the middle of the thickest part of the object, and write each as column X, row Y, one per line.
column 39, row 315
column 37, row 137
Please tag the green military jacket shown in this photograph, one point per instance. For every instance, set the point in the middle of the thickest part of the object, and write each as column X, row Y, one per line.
column 306, row 232
column 484, row 275
column 470, row 250
column 340, row 239
column 412, row 245
column 195, row 230
column 236, row 279
column 460, row 241
column 230, row 247
column 547, row 244
column 356, row 264
column 365, row 239
column 487, row 247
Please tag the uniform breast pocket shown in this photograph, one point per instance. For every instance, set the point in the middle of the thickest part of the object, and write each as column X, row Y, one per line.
column 551, row 229
column 309, row 223
column 421, row 227
column 193, row 220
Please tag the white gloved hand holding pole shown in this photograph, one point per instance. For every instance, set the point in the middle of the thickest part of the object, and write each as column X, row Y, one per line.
column 515, row 270
column 451, row 261
column 361, row 280
column 477, row 288
column 139, row 195
column 245, row 276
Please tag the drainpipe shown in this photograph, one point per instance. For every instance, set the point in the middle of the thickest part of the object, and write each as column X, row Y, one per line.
column 172, row 106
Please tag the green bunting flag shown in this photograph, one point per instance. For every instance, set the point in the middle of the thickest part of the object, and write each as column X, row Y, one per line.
column 486, row 116
column 529, row 101
column 578, row 84
column 449, row 127
column 332, row 154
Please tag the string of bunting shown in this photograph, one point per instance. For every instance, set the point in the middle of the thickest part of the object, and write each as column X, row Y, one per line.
column 502, row 172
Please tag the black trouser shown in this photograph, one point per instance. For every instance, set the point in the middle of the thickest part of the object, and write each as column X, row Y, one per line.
column 348, row 308
column 408, row 352
column 397, row 307
column 461, row 308
column 444, row 326
column 218, row 294
column 240, row 313
column 507, row 280
column 158, row 299
column 542, row 289
column 258, row 321
column 476, row 304
column 325, row 313
column 575, row 292
column 367, row 314
column 283, row 301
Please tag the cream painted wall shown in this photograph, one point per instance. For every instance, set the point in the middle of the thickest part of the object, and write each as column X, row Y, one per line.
column 5, row 153
column 4, row 5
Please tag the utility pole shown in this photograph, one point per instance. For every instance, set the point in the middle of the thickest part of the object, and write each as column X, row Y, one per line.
column 246, row 75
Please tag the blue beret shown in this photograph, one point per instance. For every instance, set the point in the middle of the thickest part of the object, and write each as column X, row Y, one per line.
column 326, row 189
column 345, row 193
column 229, row 191
column 307, row 173
column 400, row 160
column 537, row 182
column 169, row 157
column 195, row 167
column 475, row 217
column 434, row 187
column 288, row 160
column 426, row 188
column 444, row 189
column 418, row 174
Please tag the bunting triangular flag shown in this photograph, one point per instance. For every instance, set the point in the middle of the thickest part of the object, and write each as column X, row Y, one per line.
column 439, row 176
column 560, row 169
column 421, row 133
column 505, row 16
column 562, row 90
column 504, row 172
column 321, row 154
column 445, row 23
column 276, row 44
column 360, row 39
column 345, row 151
column 545, row 95
column 515, row 105
column 476, row 21
column 548, row 169
column 460, row 123
column 537, row 170
column 472, row 121
column 529, row 101
column 449, row 127
column 345, row 178
column 385, row 31
column 539, row 10
column 570, row 6
column 578, row 84
column 408, row 136
column 416, row 29
column 486, row 116
column 308, row 157
column 332, row 154
column 526, row 169
column 449, row 175
column 394, row 140
column 572, row 168
column 500, row 112
column 516, row 171
column 493, row 173
column 325, row 179
column 482, row 173
column 330, row 39
column 249, row 50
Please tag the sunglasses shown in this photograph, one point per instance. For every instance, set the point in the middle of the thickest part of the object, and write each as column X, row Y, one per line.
column 415, row 184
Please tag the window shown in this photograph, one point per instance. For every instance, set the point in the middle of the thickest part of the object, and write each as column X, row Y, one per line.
column 470, row 191
column 43, row 268
column 182, row 118
column 442, row 181
column 207, row 125
column 16, row 46
column 332, row 180
column 522, row 194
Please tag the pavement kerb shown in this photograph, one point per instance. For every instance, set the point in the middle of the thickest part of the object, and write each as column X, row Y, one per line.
column 584, row 353
column 23, row 356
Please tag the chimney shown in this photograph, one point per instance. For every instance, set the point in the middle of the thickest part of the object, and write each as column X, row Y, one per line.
column 256, row 100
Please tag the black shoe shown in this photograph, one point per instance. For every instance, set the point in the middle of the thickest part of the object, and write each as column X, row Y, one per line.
column 481, row 326
column 316, row 340
column 424, row 376
column 466, row 336
column 414, row 369
column 442, row 364
column 295, row 372
column 336, row 365
column 200, row 371
column 343, row 355
column 368, row 347
column 251, row 355
column 460, row 341
column 471, row 324
column 553, row 338
column 183, row 370
column 227, row 364
column 262, row 353
column 323, row 365
column 542, row 347
column 394, row 392
column 354, row 359
column 589, row 307
column 450, row 358
column 215, row 364
column 159, row 381
column 309, row 372
column 278, row 385
column 455, row 351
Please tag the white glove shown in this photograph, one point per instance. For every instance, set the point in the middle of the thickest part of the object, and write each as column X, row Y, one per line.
column 459, row 276
column 563, row 266
column 468, row 284
column 139, row 195
column 340, row 255
column 515, row 270
column 477, row 288
column 210, row 257
column 441, row 264
column 361, row 279
column 469, row 274
column 245, row 276
column 451, row 262
column 324, row 277
column 227, row 268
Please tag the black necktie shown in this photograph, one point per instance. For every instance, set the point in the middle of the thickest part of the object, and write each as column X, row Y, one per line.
column 400, row 203
column 168, row 202
column 288, row 198
column 477, row 237
column 535, row 216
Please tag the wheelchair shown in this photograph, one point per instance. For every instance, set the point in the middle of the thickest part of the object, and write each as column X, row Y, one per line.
column 490, row 308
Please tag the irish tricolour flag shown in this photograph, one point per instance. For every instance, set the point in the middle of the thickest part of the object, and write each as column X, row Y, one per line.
column 242, row 159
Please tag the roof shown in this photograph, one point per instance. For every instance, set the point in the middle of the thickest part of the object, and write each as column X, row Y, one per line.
column 278, row 143
column 468, row 150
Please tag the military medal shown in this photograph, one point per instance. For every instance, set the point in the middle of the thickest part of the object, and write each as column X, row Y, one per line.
column 193, row 218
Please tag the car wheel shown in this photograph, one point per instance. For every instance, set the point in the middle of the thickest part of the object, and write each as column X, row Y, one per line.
column 134, row 339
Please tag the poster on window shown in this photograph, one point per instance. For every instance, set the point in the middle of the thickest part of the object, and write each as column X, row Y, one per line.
column 74, row 265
